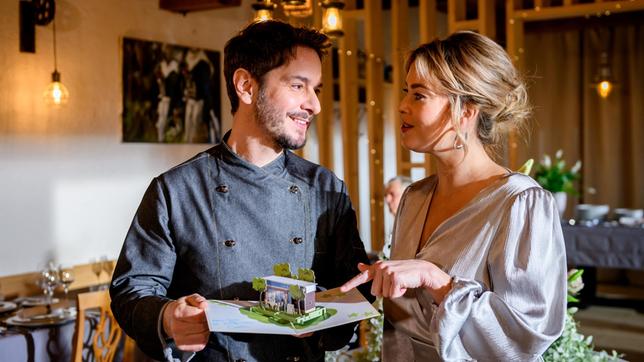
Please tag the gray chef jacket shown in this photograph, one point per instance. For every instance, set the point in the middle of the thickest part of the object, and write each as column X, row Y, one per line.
column 211, row 224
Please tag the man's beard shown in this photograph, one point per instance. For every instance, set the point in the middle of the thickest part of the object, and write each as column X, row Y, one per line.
column 272, row 121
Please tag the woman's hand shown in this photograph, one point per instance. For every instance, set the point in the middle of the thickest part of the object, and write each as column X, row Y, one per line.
column 391, row 279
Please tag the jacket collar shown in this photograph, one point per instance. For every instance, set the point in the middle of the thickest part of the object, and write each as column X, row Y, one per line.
column 275, row 167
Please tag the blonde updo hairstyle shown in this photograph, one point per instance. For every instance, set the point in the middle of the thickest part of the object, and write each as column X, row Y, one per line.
column 471, row 69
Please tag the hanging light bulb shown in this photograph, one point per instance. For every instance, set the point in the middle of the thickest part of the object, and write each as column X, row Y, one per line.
column 603, row 80
column 332, row 19
column 263, row 10
column 56, row 93
column 604, row 88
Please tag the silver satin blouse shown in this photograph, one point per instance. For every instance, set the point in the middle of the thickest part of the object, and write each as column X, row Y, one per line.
column 506, row 254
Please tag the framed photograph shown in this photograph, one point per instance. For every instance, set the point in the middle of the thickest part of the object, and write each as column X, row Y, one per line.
column 171, row 93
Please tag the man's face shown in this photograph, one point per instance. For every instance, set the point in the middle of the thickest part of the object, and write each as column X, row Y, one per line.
column 288, row 99
column 393, row 192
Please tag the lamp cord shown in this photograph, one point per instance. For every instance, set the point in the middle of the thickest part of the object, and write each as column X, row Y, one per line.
column 55, row 60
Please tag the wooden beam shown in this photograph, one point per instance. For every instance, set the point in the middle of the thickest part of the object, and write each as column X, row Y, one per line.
column 375, row 122
column 578, row 10
column 427, row 29
column 515, row 48
column 487, row 18
column 348, row 60
column 410, row 165
column 357, row 14
column 426, row 21
column 400, row 45
column 472, row 24
column 185, row 6
column 456, row 14
column 325, row 123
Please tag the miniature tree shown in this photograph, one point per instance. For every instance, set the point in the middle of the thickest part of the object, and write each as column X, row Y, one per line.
column 297, row 295
column 282, row 270
column 306, row 275
column 259, row 284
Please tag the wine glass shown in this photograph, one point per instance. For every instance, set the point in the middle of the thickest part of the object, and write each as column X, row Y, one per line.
column 49, row 279
column 108, row 266
column 97, row 268
column 66, row 277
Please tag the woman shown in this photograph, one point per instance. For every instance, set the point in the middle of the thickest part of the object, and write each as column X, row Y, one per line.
column 478, row 269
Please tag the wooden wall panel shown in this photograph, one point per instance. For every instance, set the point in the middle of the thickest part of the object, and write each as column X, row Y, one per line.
column 348, row 59
column 375, row 125
column 400, row 48
column 324, row 123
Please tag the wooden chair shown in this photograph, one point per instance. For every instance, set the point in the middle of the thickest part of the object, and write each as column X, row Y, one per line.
column 105, row 335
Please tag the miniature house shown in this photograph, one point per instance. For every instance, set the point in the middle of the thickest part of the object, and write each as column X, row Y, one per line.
column 278, row 297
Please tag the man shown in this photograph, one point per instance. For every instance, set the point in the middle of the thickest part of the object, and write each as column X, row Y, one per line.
column 205, row 228
column 394, row 189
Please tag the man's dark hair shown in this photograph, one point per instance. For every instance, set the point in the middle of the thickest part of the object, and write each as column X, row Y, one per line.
column 264, row 46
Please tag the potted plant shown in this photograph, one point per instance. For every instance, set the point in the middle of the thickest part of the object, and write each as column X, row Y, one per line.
column 556, row 178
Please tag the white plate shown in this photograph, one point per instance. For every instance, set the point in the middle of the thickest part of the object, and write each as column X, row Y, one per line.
column 44, row 320
column 36, row 301
column 7, row 306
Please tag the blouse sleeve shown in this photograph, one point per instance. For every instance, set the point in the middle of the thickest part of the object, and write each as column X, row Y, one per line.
column 523, row 311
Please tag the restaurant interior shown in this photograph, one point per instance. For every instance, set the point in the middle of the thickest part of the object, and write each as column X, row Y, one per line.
column 81, row 136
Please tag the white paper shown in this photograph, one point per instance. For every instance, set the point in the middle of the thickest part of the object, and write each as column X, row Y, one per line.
column 225, row 315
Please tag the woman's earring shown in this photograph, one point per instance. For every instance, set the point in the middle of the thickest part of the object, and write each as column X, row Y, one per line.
column 457, row 144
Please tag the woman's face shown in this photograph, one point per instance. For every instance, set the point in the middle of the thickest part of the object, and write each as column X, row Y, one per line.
column 424, row 114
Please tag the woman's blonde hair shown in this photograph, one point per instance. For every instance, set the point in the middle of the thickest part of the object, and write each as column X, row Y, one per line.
column 471, row 69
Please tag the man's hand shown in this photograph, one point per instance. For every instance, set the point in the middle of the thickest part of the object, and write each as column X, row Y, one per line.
column 391, row 279
column 184, row 320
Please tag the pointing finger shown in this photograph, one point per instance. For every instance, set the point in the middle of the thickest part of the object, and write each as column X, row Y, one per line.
column 359, row 279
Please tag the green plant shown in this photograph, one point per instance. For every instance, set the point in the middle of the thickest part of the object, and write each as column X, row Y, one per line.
column 572, row 346
column 554, row 176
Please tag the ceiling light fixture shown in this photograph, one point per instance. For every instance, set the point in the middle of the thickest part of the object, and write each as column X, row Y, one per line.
column 264, row 10
column 331, row 17
column 56, row 93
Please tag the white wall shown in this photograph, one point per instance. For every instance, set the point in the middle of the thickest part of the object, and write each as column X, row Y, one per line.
column 68, row 185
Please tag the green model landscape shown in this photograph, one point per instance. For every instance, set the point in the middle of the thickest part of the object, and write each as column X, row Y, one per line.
column 270, row 313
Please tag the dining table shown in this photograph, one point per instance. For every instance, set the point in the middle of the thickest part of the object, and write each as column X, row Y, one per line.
column 51, row 343
column 49, row 340
column 603, row 245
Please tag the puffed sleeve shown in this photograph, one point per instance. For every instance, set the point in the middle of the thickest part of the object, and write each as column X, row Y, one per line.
column 523, row 311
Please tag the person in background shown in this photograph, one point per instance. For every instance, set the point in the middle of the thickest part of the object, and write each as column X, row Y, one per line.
column 478, row 265
column 206, row 227
column 394, row 189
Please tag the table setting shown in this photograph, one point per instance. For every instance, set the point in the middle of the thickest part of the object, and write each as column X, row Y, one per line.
column 591, row 215
column 42, row 310
column 40, row 327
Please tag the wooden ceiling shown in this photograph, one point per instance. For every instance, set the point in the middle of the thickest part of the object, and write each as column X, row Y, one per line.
column 185, row 6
